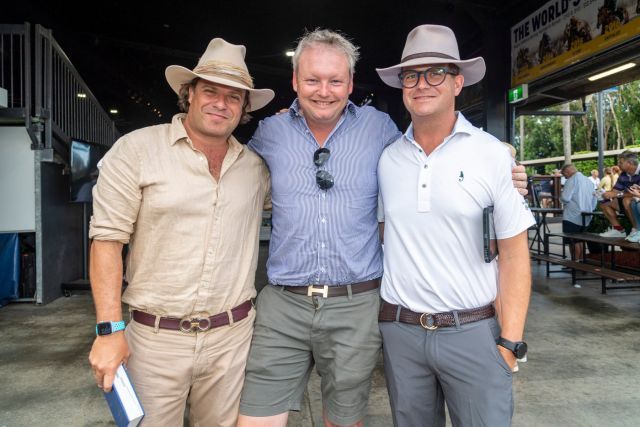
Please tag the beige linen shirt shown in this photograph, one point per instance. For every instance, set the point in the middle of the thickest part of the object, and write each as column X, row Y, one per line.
column 193, row 242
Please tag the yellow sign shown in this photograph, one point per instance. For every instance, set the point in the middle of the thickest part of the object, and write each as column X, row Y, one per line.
column 579, row 29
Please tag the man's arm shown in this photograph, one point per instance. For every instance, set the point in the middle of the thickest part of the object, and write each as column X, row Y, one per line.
column 519, row 178
column 514, row 290
column 108, row 351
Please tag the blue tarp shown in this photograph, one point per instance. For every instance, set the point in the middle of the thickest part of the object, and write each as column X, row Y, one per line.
column 9, row 267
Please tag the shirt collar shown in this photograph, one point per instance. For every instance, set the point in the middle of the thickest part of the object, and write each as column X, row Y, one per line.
column 177, row 130
column 461, row 125
column 177, row 133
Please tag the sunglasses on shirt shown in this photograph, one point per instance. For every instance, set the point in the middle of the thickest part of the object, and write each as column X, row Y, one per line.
column 323, row 178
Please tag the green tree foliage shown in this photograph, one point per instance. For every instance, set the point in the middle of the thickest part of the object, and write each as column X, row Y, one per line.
column 543, row 134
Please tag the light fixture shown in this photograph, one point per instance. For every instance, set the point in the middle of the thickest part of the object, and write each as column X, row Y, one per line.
column 81, row 95
column 612, row 71
column 289, row 53
column 113, row 111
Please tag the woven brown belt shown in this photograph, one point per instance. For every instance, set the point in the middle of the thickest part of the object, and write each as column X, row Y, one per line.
column 327, row 291
column 389, row 313
column 194, row 324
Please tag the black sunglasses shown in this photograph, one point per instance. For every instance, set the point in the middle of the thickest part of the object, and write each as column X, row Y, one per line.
column 323, row 178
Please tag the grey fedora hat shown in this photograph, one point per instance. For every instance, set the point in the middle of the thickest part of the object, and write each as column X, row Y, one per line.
column 433, row 44
column 221, row 63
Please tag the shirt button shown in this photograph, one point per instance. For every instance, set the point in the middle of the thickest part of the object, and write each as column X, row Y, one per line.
column 323, row 220
column 424, row 185
column 426, row 166
column 419, row 150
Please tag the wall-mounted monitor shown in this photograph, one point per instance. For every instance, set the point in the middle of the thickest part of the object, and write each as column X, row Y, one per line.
column 84, row 169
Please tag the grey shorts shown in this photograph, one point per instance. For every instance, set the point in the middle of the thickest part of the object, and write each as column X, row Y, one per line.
column 460, row 365
column 339, row 334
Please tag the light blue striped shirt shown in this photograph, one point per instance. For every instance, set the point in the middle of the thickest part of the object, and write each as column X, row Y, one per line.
column 324, row 237
column 577, row 196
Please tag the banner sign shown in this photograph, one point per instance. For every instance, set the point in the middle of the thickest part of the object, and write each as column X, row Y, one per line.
column 562, row 32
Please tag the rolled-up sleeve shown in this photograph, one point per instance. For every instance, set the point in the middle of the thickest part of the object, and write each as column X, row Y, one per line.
column 117, row 194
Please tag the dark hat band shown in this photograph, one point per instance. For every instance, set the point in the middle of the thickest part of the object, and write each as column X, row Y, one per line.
column 428, row 55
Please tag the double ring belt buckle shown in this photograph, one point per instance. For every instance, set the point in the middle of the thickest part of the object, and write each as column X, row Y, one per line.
column 188, row 325
column 428, row 321
column 324, row 291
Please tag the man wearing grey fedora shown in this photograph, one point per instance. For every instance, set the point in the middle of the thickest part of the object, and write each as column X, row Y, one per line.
column 442, row 341
column 188, row 198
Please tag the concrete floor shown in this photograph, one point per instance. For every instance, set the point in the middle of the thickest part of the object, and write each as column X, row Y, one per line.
column 582, row 369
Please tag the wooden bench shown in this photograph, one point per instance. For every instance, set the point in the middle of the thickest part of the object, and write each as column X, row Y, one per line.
column 603, row 273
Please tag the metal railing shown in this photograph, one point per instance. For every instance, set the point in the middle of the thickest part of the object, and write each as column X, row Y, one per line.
column 15, row 67
column 43, row 84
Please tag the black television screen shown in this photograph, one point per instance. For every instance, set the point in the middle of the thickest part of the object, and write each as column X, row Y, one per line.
column 84, row 169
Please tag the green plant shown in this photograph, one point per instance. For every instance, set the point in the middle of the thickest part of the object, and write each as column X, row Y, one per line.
column 599, row 223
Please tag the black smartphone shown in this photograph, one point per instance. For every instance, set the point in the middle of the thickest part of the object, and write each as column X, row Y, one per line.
column 489, row 235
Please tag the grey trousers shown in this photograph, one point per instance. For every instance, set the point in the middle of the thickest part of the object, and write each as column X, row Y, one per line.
column 461, row 365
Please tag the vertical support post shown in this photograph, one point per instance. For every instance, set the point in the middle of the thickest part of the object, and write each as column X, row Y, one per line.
column 496, row 40
column 600, row 123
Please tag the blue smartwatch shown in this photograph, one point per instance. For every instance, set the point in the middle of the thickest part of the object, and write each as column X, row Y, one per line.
column 107, row 328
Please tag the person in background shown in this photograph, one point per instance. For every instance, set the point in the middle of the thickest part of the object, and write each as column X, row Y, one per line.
column 606, row 183
column 616, row 171
column 594, row 178
column 577, row 196
column 619, row 199
column 634, row 191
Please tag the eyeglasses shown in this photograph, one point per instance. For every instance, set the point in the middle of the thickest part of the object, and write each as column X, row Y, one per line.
column 434, row 76
column 323, row 178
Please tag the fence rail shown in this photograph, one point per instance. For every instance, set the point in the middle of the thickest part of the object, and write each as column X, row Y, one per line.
column 15, row 65
column 46, row 88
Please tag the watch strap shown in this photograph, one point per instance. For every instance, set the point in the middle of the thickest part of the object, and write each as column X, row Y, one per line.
column 509, row 345
column 518, row 348
column 115, row 327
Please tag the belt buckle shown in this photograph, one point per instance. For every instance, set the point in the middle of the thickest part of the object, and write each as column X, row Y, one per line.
column 428, row 321
column 188, row 325
column 324, row 291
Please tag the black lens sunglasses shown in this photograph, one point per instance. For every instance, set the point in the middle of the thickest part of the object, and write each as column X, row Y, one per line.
column 323, row 178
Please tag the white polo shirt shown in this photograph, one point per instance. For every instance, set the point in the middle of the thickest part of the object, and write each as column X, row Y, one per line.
column 432, row 208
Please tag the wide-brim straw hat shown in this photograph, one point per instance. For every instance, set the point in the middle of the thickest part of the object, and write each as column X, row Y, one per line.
column 433, row 44
column 221, row 63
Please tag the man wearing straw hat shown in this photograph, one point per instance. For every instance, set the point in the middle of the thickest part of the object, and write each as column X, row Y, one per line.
column 441, row 339
column 187, row 197
column 325, row 259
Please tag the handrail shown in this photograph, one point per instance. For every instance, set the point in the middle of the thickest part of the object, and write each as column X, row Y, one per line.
column 15, row 68
column 66, row 99
column 45, row 88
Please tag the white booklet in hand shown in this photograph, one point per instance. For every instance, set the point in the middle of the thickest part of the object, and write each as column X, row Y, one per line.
column 123, row 401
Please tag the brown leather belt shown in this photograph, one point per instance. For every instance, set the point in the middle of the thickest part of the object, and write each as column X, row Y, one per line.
column 194, row 324
column 327, row 291
column 389, row 313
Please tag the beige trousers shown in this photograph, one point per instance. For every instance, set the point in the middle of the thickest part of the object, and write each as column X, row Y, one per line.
column 205, row 369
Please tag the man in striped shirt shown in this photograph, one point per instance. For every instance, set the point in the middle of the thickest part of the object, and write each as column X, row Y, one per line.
column 325, row 258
